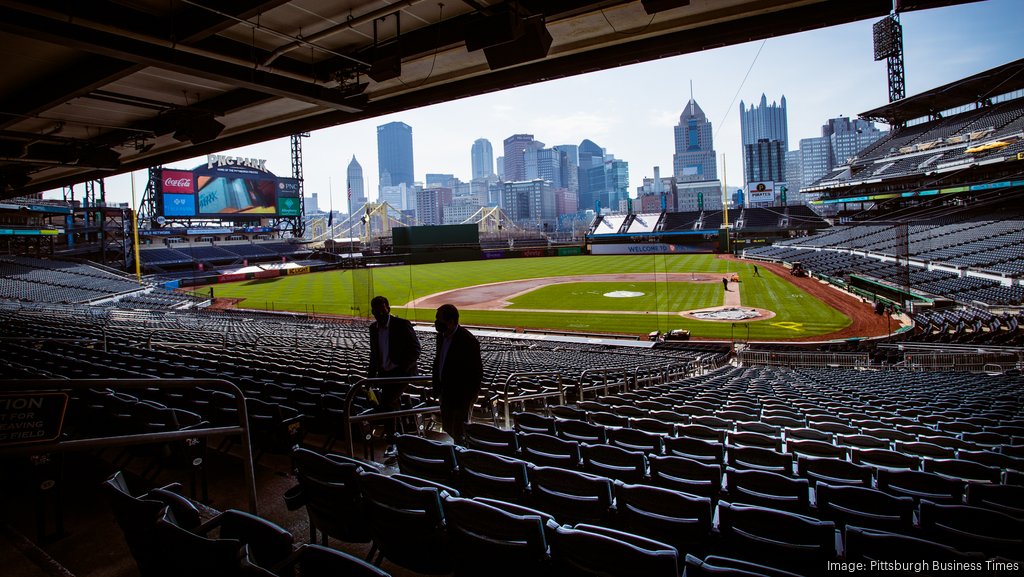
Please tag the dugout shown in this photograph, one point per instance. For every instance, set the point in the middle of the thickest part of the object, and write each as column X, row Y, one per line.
column 427, row 244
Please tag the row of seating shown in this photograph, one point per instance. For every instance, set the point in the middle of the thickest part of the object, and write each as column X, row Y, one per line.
column 416, row 517
column 167, row 537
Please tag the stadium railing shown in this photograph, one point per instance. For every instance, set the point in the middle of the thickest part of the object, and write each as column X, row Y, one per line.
column 55, row 443
column 511, row 395
column 604, row 380
column 748, row 357
column 361, row 388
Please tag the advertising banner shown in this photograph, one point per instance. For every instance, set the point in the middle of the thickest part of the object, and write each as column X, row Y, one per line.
column 226, row 190
column 761, row 192
column 651, row 248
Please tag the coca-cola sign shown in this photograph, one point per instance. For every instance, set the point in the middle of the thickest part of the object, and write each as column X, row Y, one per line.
column 179, row 181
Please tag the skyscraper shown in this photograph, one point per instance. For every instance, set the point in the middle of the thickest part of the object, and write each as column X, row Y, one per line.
column 515, row 156
column 394, row 154
column 765, row 161
column 841, row 139
column 765, row 122
column 483, row 159
column 355, row 191
column 694, row 159
column 590, row 175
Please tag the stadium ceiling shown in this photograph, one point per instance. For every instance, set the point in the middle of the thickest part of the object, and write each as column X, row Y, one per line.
column 973, row 89
column 92, row 88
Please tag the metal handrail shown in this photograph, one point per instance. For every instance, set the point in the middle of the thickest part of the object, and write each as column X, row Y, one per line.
column 348, row 418
column 37, row 385
column 603, row 373
column 508, row 400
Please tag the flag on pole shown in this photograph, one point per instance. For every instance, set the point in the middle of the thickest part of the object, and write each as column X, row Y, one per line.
column 330, row 197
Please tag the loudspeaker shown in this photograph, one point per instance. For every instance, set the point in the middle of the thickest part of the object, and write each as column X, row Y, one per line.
column 99, row 157
column 655, row 6
column 386, row 63
column 491, row 30
column 532, row 45
column 198, row 129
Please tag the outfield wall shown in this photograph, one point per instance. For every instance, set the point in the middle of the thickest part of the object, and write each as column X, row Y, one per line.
column 651, row 248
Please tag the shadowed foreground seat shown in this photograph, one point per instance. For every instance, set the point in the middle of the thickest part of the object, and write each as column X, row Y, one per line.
column 488, row 540
column 587, row 550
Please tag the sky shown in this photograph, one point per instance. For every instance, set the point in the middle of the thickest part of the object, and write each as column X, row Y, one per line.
column 630, row 111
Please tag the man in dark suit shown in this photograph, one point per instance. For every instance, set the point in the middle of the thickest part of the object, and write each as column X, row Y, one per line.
column 457, row 371
column 394, row 350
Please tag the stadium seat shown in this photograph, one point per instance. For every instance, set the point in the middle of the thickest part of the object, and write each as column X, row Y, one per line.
column 833, row 471
column 973, row 529
column 633, row 440
column 766, row 489
column 677, row 519
column 652, row 425
column 483, row 474
column 493, row 541
column 567, row 412
column 571, row 496
column 586, row 550
column 580, row 431
column 549, row 451
column 962, row 470
column 863, row 545
column 328, row 488
column 701, row 432
column 241, row 536
column 696, row 449
column 885, row 459
column 686, row 476
column 614, row 462
column 864, row 507
column 752, row 439
column 320, row 561
column 790, row 541
column 484, row 437
column 427, row 459
column 758, row 459
column 533, row 423
column 718, row 566
column 407, row 523
column 608, row 419
column 137, row 517
column 1007, row 499
column 798, row 447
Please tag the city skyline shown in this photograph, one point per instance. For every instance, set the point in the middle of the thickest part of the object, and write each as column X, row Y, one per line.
column 631, row 111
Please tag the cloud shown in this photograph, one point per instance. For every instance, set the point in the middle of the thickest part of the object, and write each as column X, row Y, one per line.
column 663, row 118
column 567, row 129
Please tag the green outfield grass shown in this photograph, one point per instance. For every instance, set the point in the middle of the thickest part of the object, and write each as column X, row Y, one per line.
column 797, row 313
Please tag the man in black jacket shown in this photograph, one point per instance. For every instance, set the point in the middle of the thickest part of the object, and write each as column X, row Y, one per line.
column 394, row 350
column 457, row 371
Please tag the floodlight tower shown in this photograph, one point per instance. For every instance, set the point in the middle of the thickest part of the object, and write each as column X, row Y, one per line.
column 297, row 224
column 888, row 41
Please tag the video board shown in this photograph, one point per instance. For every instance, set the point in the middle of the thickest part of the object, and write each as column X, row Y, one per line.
column 234, row 192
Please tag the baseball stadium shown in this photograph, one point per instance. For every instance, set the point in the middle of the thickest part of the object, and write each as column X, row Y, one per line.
column 190, row 386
